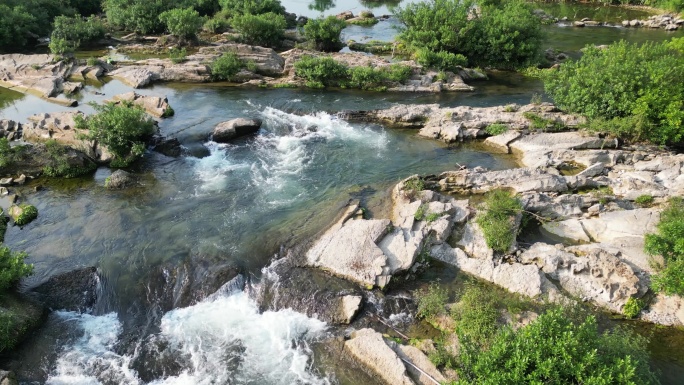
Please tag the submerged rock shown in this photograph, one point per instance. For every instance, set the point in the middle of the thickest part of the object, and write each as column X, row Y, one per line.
column 73, row 291
column 120, row 179
column 235, row 128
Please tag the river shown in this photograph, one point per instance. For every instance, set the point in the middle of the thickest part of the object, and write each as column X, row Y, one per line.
column 223, row 209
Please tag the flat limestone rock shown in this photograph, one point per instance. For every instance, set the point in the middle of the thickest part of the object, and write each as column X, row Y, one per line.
column 501, row 142
column 426, row 373
column 156, row 106
column 518, row 179
column 369, row 348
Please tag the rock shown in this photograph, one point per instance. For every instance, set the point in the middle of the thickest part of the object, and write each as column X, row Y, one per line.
column 21, row 315
column 39, row 75
column 474, row 243
column 501, row 142
column 671, row 27
column 567, row 230
column 350, row 249
column 418, row 365
column 154, row 105
column 22, row 214
column 168, row 146
column 578, row 24
column 559, row 141
column 226, row 131
column 6, row 181
column 267, row 61
column 72, row 291
column 120, row 179
column 346, row 15
column 8, row 378
column 556, row 207
column 665, row 310
column 138, row 76
column 519, row 180
column 10, row 129
column 348, row 307
column 368, row 347
column 20, row 180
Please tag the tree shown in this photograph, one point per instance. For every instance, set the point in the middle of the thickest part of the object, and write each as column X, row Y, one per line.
column 184, row 23
column 226, row 66
column 77, row 30
column 140, row 16
column 325, row 33
column 121, row 128
column 263, row 29
column 16, row 25
column 633, row 91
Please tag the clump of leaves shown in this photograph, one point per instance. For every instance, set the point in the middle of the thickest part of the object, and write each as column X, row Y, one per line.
column 12, row 267
column 177, row 55
column 497, row 220
column 644, row 200
column 668, row 242
column 496, row 129
column 632, row 307
column 28, row 214
column 226, row 66
column 324, row 33
column 431, row 301
column 476, row 314
column 413, row 187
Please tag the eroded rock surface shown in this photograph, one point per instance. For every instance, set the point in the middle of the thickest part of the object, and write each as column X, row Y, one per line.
column 369, row 348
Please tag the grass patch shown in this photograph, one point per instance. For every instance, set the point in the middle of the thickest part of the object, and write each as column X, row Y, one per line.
column 431, row 301
column 668, row 242
column 496, row 129
column 539, row 123
column 497, row 220
column 645, row 200
column 413, row 187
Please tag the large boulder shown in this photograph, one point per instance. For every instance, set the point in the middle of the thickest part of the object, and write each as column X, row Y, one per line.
column 8, row 378
column 73, row 291
column 235, row 128
column 369, row 348
column 120, row 179
column 21, row 315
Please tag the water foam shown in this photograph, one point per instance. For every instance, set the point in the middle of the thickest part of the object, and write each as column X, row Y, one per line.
column 214, row 170
column 221, row 340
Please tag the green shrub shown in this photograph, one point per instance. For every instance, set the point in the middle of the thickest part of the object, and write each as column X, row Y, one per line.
column 325, row 33
column 413, row 187
column 442, row 60
column 476, row 314
column 254, row 7
column 58, row 162
column 647, row 104
column 431, row 301
column 226, row 66
column 121, row 128
column 669, row 243
column 502, row 35
column 496, row 129
column 177, row 55
column 539, row 123
column 216, row 25
column 363, row 21
column 676, row 44
column 28, row 214
column 78, row 30
column 632, row 307
column 498, row 219
column 321, row 71
column 183, row 23
column 397, row 72
column 61, row 47
column 644, row 200
column 264, row 29
column 140, row 16
column 366, row 78
column 12, row 267
column 554, row 350
column 420, row 212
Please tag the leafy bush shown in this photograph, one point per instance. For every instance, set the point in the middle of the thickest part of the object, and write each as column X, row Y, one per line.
column 539, row 123
column 498, row 219
column 321, row 72
column 177, row 55
column 496, row 129
column 61, row 47
column 254, row 7
column 28, row 214
column 669, row 242
column 78, row 30
column 12, row 267
column 183, row 23
column 431, row 301
column 216, row 25
column 644, row 200
column 442, row 60
column 264, row 29
column 397, row 72
column 121, row 128
column 140, row 16
column 325, row 33
column 365, row 78
column 632, row 307
column 632, row 91
column 226, row 66
column 476, row 314
column 554, row 350
column 58, row 162
column 504, row 35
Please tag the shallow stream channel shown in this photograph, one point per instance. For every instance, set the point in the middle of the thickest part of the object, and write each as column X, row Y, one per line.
column 171, row 251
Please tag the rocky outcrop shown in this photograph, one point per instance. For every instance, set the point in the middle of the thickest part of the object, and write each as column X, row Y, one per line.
column 458, row 123
column 21, row 315
column 369, row 348
column 418, row 365
column 120, row 179
column 518, row 179
column 10, row 129
column 668, row 22
column 73, row 291
column 156, row 106
column 235, row 128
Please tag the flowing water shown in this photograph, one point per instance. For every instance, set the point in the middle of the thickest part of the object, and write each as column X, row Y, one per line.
column 194, row 223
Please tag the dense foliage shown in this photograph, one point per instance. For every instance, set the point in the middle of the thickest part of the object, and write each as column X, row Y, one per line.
column 57, row 162
column 632, row 91
column 497, row 220
column 121, row 128
column 226, row 66
column 322, row 72
column 325, row 33
column 254, row 7
column 182, row 22
column 501, row 34
column 669, row 243
column 263, row 29
column 555, row 350
column 441, row 60
column 12, row 267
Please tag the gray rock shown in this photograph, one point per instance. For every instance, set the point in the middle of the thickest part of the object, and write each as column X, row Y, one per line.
column 154, row 105
column 519, row 180
column 120, row 179
column 6, row 181
column 501, row 142
column 665, row 310
column 418, row 365
column 20, row 180
column 229, row 130
column 73, row 291
column 369, row 348
column 8, row 378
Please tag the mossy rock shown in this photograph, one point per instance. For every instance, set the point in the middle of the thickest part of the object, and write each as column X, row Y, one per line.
column 18, row 316
column 23, row 214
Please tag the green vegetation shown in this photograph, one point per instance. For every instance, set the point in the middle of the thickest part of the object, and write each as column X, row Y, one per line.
column 501, row 34
column 413, row 187
column 322, row 72
column 441, row 60
column 498, row 219
column 254, row 7
column 264, row 29
column 61, row 47
column 177, row 55
column 121, row 128
column 226, row 66
column 647, row 105
column 216, row 25
column 140, row 16
column 420, row 213
column 644, row 200
column 58, row 162
column 76, row 31
column 431, row 301
column 669, row 243
column 476, row 314
column 363, row 21
column 26, row 214
column 12, row 266
column 555, row 350
column 183, row 23
column 632, row 307
column 325, row 33
column 496, row 129
column 539, row 123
